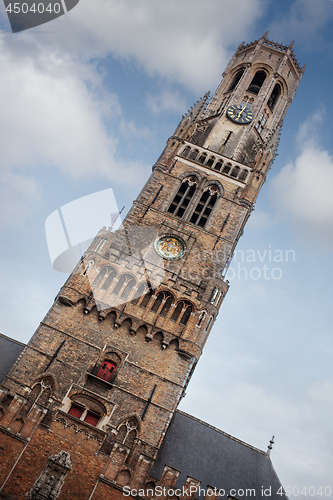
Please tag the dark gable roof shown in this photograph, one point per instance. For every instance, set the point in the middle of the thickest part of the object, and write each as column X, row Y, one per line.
column 216, row 459
column 10, row 350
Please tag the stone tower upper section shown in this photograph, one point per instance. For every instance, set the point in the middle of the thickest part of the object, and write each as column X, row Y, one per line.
column 262, row 77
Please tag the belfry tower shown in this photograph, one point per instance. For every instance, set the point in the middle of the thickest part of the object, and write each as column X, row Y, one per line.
column 86, row 407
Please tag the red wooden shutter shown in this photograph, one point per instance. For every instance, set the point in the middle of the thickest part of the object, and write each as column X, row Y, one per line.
column 105, row 370
column 91, row 418
column 76, row 411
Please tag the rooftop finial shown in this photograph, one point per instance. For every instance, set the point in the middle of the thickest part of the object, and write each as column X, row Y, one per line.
column 270, row 446
column 265, row 35
column 292, row 44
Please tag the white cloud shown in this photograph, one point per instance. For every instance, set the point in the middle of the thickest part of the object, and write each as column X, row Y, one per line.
column 187, row 42
column 19, row 195
column 166, row 100
column 303, row 192
column 305, row 20
column 54, row 114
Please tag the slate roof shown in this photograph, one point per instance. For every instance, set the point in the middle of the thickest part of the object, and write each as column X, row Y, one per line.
column 10, row 350
column 216, row 459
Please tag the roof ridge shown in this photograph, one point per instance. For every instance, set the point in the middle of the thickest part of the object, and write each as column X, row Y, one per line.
column 221, row 432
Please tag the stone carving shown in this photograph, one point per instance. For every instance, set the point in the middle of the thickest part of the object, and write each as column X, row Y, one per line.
column 51, row 480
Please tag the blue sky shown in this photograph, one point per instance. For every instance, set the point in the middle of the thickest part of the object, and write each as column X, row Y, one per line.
column 87, row 103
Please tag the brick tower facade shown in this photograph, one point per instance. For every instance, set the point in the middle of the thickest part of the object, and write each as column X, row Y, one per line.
column 87, row 405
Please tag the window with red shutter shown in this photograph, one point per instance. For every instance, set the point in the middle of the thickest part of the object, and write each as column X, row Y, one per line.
column 91, row 418
column 106, row 370
column 76, row 411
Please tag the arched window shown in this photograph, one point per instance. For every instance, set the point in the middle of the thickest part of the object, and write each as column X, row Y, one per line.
column 158, row 302
column 210, row 161
column 128, row 288
column 218, row 165
column 124, row 286
column 202, row 158
column 167, row 304
column 236, row 79
column 193, row 155
column 186, row 151
column 243, row 175
column 146, row 299
column 110, row 277
column 142, row 289
column 99, row 277
column 186, row 314
column 127, row 432
column 276, row 92
column 162, row 303
column 226, row 169
column 183, row 197
column 257, row 82
column 86, row 409
column 205, row 206
column 235, row 172
column 183, row 311
column 106, row 370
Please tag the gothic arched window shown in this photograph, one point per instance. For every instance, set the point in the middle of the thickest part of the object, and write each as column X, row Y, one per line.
column 205, row 206
column 127, row 432
column 141, row 290
column 274, row 96
column 166, row 307
column 236, row 79
column 183, row 311
column 146, row 299
column 162, row 303
column 186, row 151
column 86, row 409
column 235, row 172
column 99, row 277
column 257, row 82
column 226, row 169
column 183, row 197
column 109, row 278
column 124, row 286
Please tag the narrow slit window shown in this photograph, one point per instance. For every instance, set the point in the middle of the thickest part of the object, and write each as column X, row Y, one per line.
column 201, row 318
column 274, row 96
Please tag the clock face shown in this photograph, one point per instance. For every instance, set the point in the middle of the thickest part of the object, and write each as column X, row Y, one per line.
column 170, row 247
column 240, row 114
